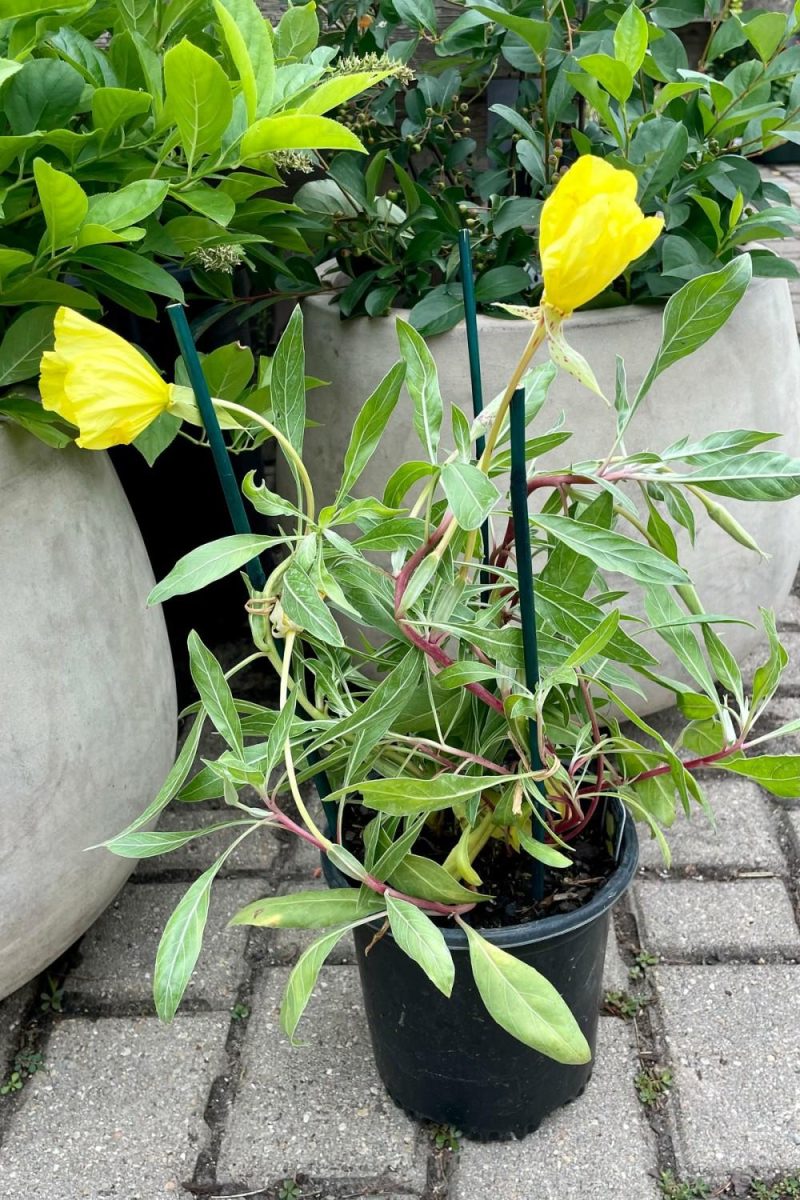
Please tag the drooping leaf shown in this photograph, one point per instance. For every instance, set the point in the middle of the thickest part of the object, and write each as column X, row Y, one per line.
column 612, row 551
column 215, row 692
column 308, row 910
column 303, row 979
column 524, row 1003
column 181, row 943
column 778, row 774
column 423, row 941
column 427, row 880
column 470, row 493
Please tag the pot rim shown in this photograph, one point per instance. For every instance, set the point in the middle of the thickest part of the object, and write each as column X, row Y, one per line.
column 621, row 314
column 546, row 928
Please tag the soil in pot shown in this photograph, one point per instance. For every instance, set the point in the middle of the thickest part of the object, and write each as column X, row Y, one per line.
column 446, row 1060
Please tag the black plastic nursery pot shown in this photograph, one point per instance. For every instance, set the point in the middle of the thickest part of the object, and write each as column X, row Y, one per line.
column 447, row 1061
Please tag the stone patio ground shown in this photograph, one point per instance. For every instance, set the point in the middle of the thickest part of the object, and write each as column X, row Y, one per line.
column 115, row 1105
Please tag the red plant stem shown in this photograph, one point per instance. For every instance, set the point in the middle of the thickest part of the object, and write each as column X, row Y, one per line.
column 692, row 764
column 375, row 885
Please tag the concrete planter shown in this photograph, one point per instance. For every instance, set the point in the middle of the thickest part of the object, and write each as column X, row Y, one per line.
column 747, row 376
column 87, row 706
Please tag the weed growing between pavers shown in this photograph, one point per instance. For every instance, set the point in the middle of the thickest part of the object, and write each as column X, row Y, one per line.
column 787, row 1188
column 653, row 1085
column 673, row 1189
column 624, row 1005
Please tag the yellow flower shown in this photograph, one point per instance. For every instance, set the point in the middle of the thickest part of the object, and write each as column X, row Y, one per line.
column 591, row 228
column 99, row 382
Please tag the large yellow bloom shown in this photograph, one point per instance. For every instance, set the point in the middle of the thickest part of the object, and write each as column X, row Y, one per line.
column 591, row 228
column 99, row 382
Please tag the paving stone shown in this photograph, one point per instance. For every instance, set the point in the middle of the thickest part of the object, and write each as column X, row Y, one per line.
column 790, row 680
column 734, row 1045
column 12, row 1010
column 260, row 851
column 318, row 1108
column 615, row 972
column 118, row 1111
column 119, row 951
column 599, row 1146
column 743, row 836
column 690, row 919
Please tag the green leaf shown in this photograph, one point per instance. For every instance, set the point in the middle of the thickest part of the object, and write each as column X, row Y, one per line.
column 594, row 642
column 64, row 204
column 501, row 283
column 29, row 415
column 630, row 38
column 695, row 313
column 127, row 205
column 180, row 944
column 211, row 202
column 368, row 427
column 614, row 76
column 763, row 475
column 422, row 941
column 127, row 267
column 228, row 370
column 778, row 774
column 265, row 501
column 157, row 436
column 288, row 383
column 147, row 845
column 470, row 493
column 44, row 95
column 422, row 382
column 403, row 796
column 612, row 551
column 304, row 606
column 439, row 310
column 461, row 673
column 199, row 99
column 347, row 863
column 765, row 32
column 303, row 978
column 768, row 675
column 249, row 40
column 394, row 533
column 544, row 853
column 26, row 339
column 394, row 853
column 375, row 716
column 428, row 880
column 210, row 562
column 298, row 32
column 113, row 107
column 213, row 689
column 535, row 33
column 524, row 1003
column 295, row 131
column 664, row 613
column 332, row 93
column 308, row 910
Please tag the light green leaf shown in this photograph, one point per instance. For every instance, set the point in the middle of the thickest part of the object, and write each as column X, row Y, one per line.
column 470, row 494
column 611, row 74
column 127, row 267
column 695, row 313
column 368, row 427
column 331, row 93
column 762, row 475
column 147, row 845
column 199, row 99
column 64, row 204
column 265, row 501
column 180, row 944
column 778, row 774
column 423, row 941
column 630, row 38
column 249, row 36
column 113, row 107
column 612, row 551
column 298, row 32
column 422, row 382
column 535, row 33
column 765, row 32
column 524, row 1003
column 26, row 339
column 665, row 615
column 544, row 853
column 212, row 686
column 211, row 202
column 308, row 910
column 428, row 880
column 296, row 131
column 347, row 863
column 303, row 979
column 404, row 796
column 464, row 672
column 288, row 383
column 304, row 606
column 208, row 563
column 394, row 533
column 595, row 641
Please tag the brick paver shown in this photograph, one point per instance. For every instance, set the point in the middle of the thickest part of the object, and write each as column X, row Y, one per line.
column 698, row 919
column 117, row 1113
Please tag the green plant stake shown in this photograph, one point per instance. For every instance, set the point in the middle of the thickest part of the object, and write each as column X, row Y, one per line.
column 527, row 601
column 473, row 346
column 230, row 488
